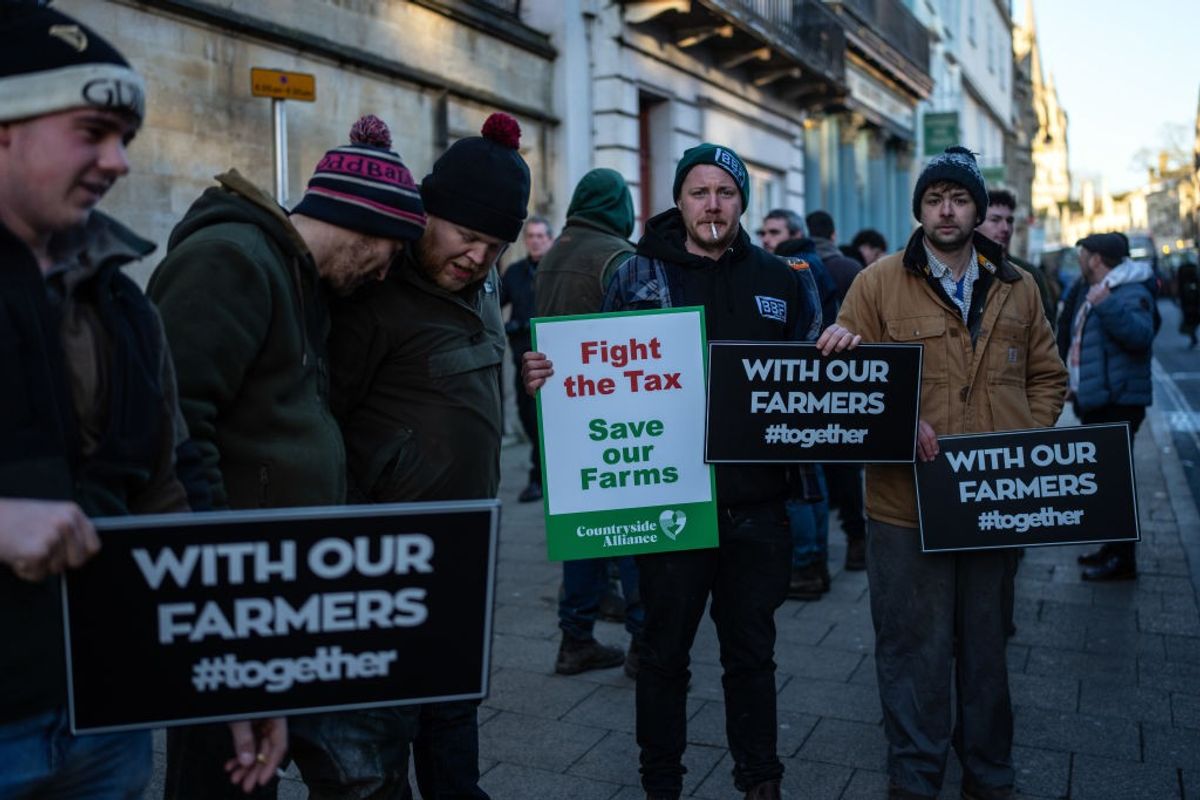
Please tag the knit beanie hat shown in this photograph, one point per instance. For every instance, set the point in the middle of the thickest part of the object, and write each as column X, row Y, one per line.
column 365, row 187
column 51, row 63
column 718, row 156
column 481, row 182
column 956, row 165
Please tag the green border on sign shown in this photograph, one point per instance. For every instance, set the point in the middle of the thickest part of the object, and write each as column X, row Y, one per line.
column 563, row 541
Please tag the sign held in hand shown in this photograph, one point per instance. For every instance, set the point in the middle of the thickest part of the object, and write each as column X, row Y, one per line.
column 622, row 462
column 785, row 402
column 1026, row 488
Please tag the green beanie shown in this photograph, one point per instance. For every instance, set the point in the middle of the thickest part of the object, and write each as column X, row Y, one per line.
column 718, row 156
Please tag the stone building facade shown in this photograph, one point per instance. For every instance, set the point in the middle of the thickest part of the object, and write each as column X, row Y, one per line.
column 433, row 69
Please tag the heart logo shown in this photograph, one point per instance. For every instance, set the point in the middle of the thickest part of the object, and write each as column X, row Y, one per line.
column 672, row 522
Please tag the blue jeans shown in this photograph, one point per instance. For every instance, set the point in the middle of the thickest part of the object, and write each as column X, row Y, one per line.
column 40, row 757
column 810, row 528
column 584, row 582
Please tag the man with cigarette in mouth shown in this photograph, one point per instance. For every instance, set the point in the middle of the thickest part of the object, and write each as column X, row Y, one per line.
column 697, row 254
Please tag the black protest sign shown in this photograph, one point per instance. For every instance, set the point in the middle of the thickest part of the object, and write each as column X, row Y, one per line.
column 785, row 402
column 187, row 618
column 1025, row 488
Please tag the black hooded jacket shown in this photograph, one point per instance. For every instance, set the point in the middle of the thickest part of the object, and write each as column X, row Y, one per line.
column 739, row 293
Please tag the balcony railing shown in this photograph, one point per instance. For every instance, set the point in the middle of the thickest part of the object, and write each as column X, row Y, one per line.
column 892, row 22
column 804, row 29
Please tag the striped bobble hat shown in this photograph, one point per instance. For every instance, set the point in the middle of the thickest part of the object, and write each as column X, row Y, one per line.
column 365, row 187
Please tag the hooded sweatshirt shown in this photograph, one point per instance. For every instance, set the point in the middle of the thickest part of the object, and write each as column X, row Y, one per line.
column 571, row 276
column 747, row 294
column 247, row 323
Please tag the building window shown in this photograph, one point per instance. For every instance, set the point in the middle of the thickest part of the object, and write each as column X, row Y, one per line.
column 991, row 46
column 971, row 21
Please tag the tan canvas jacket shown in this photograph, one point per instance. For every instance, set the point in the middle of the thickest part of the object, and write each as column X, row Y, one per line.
column 1012, row 378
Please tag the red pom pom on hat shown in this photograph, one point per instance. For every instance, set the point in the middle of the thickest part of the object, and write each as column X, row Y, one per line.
column 502, row 129
column 372, row 131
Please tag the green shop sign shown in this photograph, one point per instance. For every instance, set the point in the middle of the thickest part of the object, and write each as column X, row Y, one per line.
column 941, row 131
column 993, row 175
column 621, row 429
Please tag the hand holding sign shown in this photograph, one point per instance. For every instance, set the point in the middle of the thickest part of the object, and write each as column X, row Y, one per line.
column 927, row 443
column 40, row 538
column 535, row 370
column 1023, row 488
column 835, row 339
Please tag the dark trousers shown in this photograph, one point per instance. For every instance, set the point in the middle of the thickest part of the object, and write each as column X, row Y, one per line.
column 196, row 756
column 845, row 486
column 527, row 412
column 1134, row 416
column 446, row 752
column 747, row 578
column 938, row 615
column 584, row 583
column 363, row 755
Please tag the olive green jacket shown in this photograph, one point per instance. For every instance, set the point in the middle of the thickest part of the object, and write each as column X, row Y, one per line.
column 416, row 387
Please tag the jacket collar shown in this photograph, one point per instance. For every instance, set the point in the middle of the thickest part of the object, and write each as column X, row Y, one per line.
column 84, row 250
column 235, row 182
column 916, row 261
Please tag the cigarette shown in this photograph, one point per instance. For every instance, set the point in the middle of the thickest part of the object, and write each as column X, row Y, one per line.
column 713, row 227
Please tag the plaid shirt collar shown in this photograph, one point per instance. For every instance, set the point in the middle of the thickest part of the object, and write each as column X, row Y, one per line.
column 945, row 276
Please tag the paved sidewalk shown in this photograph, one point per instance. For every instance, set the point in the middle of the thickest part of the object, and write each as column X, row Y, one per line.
column 1105, row 679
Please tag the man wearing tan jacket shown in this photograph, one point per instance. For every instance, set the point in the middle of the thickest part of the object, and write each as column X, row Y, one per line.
column 990, row 364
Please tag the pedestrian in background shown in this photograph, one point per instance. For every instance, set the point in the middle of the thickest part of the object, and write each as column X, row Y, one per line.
column 824, row 235
column 782, row 233
column 1108, row 335
column 242, row 291
column 1187, row 291
column 417, row 390
column 516, row 292
column 998, row 224
column 939, row 623
column 571, row 280
column 867, row 247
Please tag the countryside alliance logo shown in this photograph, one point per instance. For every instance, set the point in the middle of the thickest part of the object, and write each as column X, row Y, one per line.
column 672, row 522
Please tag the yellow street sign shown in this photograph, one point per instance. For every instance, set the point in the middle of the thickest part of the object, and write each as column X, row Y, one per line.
column 283, row 85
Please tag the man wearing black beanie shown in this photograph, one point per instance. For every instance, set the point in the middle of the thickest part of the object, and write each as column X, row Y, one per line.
column 88, row 413
column 416, row 388
column 989, row 365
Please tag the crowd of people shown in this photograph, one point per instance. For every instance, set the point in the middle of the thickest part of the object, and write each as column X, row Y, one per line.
column 349, row 350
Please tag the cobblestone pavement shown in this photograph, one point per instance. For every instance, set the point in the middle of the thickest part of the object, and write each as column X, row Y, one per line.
column 1105, row 678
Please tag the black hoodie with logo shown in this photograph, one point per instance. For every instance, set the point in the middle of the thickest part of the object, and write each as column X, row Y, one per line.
column 747, row 294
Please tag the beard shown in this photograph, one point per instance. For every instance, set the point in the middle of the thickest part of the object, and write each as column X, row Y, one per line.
column 701, row 234
column 949, row 240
